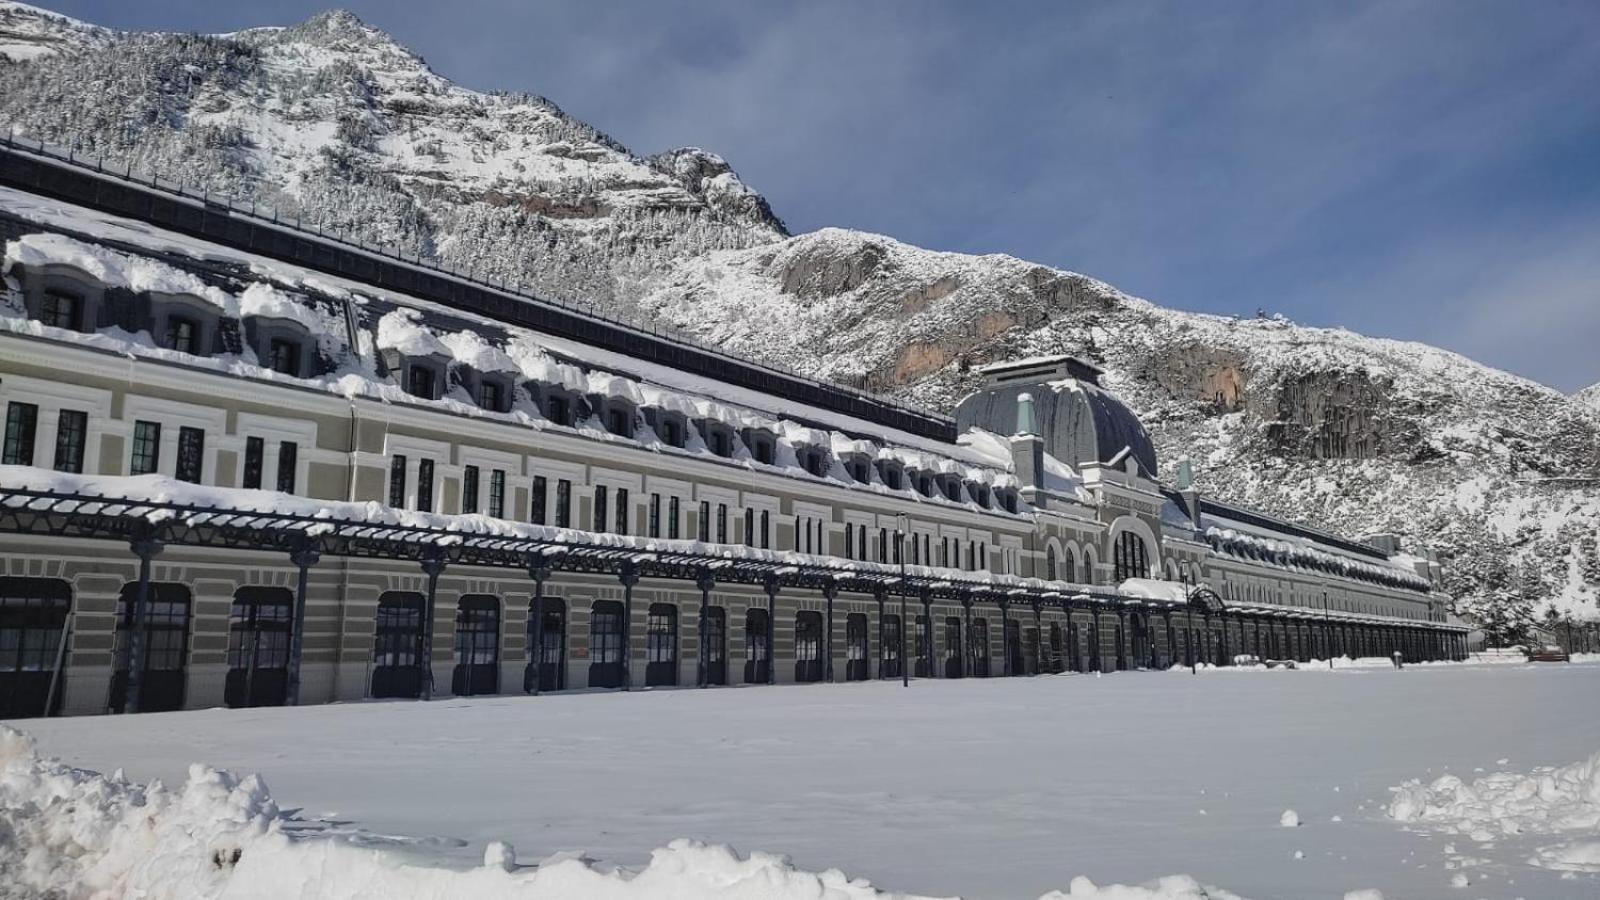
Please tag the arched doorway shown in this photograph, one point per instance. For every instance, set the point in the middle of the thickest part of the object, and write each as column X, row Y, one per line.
column 477, row 668
column 33, row 624
column 259, row 625
column 605, row 644
column 807, row 646
column 757, row 646
column 856, row 655
column 980, row 647
column 1142, row 645
column 166, row 646
column 715, row 649
column 661, row 645
column 553, row 633
column 397, row 646
column 952, row 647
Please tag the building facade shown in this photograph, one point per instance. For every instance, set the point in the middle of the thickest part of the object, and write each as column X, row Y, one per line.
column 247, row 464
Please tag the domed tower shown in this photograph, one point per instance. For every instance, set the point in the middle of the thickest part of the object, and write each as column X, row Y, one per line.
column 1079, row 421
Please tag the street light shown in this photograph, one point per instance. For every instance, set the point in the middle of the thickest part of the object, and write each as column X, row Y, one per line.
column 901, row 525
column 1327, row 629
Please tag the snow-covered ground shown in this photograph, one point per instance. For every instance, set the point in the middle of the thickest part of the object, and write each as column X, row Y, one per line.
column 983, row 788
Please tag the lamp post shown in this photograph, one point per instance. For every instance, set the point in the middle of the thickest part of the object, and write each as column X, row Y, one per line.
column 1327, row 629
column 901, row 524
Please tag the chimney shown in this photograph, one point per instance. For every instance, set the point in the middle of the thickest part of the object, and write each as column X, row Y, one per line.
column 1189, row 493
column 1027, row 450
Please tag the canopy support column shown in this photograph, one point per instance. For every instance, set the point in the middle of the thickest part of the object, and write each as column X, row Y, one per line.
column 303, row 558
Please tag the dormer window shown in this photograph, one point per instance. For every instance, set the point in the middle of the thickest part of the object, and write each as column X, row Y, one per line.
column 60, row 310
column 890, row 474
column 283, row 355
column 558, row 410
column 761, row 450
column 671, row 432
column 1008, row 500
column 952, row 490
column 183, row 334
column 491, row 395
column 980, row 494
column 619, row 421
column 720, row 443
column 814, row 461
column 860, row 471
column 420, row 382
column 925, row 485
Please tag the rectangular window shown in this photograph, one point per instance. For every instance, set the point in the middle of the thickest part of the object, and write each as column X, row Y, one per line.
column 600, row 510
column 397, row 481
column 749, row 528
column 861, row 541
column 722, row 523
column 288, row 462
column 425, row 485
column 563, row 503
column 146, row 448
column 191, row 454
column 60, row 310
column 849, row 542
column 469, row 489
column 559, row 412
column 661, row 634
column 704, row 525
column 655, row 515
column 182, row 334
column 766, row 530
column 255, row 450
column 21, row 421
column 284, row 356
column 497, row 493
column 622, row 510
column 536, row 514
column 72, row 434
column 673, row 514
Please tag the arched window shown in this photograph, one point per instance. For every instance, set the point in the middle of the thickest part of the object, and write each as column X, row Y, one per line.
column 1050, row 563
column 889, row 647
column 1128, row 557
column 553, row 634
column 477, row 646
column 1069, row 568
column 715, row 644
column 980, row 648
column 855, row 638
column 33, row 618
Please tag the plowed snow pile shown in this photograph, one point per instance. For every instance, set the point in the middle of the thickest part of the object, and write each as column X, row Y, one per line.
column 1563, row 802
column 71, row 832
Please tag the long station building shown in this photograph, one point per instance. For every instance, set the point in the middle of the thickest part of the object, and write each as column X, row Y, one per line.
column 247, row 463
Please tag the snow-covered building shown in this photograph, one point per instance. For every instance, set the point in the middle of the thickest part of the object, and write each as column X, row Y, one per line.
column 251, row 464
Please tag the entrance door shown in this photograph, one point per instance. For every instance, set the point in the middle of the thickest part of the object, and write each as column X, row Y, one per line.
column 1122, row 651
column 477, row 668
column 397, row 646
column 1030, row 651
column 605, row 644
column 166, row 646
column 952, row 647
column 855, row 638
column 757, row 646
column 33, row 616
column 923, row 667
column 554, row 635
column 980, row 648
column 661, row 645
column 258, row 647
column 1014, row 662
column 716, row 645
column 891, row 641
column 807, row 646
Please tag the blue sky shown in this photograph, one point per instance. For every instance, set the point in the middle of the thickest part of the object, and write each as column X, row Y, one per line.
column 1424, row 169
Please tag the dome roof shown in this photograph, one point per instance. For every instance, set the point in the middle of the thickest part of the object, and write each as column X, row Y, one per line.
column 1080, row 421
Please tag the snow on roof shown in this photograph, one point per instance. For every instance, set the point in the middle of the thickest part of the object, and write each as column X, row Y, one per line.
column 1153, row 589
column 1297, row 550
column 264, row 300
column 531, row 352
column 115, row 269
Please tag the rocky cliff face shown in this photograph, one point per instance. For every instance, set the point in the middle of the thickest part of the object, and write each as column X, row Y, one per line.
column 333, row 121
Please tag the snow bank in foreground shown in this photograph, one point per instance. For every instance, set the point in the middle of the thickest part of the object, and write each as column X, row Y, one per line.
column 1546, row 801
column 72, row 832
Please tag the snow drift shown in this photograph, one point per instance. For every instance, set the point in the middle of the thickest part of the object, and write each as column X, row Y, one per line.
column 1562, row 802
column 71, row 832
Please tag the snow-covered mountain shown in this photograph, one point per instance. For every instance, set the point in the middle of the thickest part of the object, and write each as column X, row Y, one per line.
column 334, row 121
